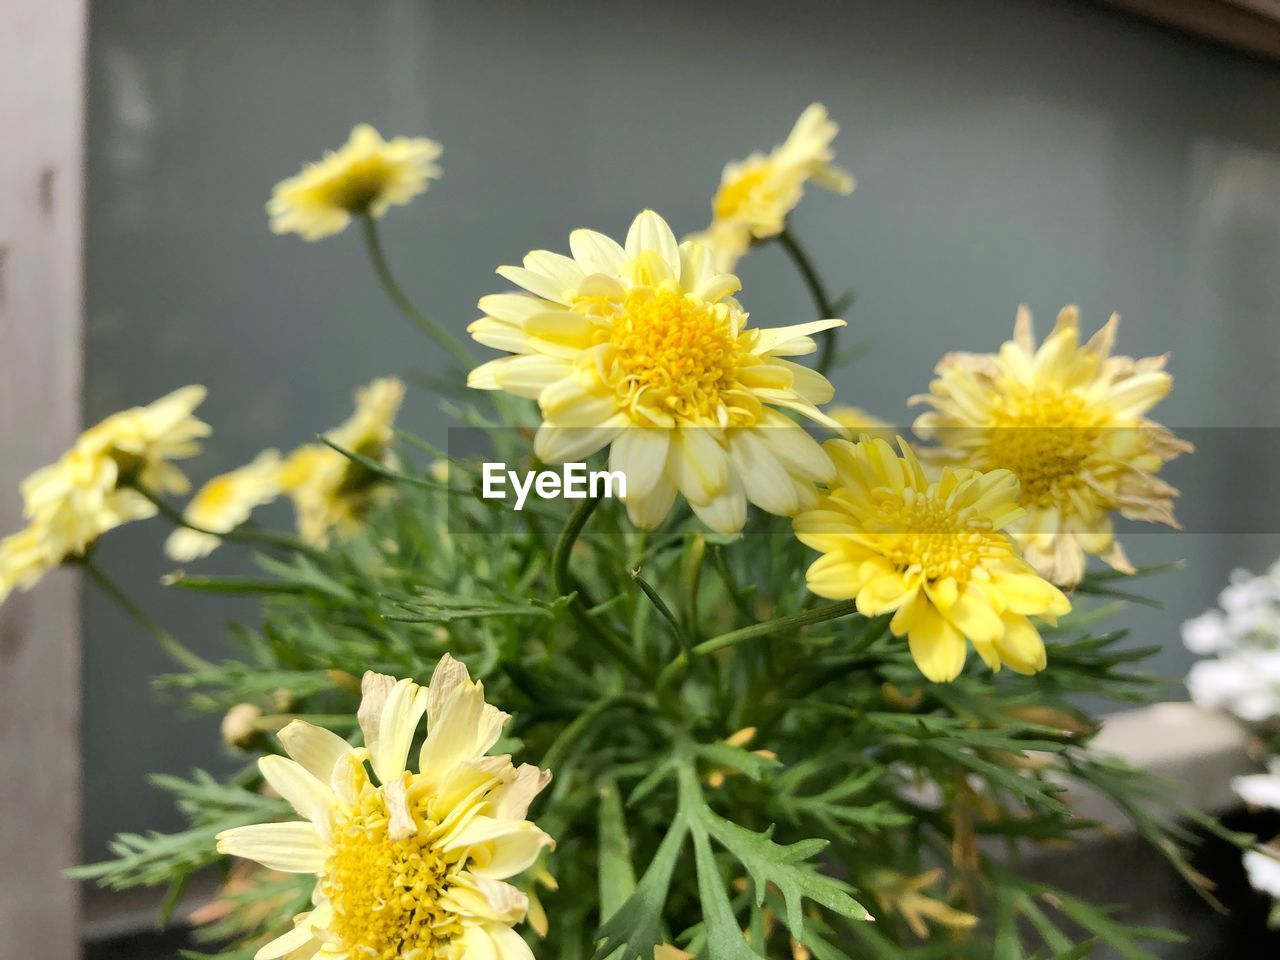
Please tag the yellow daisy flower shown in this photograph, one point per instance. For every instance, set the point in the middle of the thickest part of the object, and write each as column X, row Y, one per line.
column 88, row 491
column 328, row 489
column 223, row 504
column 366, row 175
column 1069, row 420
column 643, row 348
column 933, row 554
column 757, row 194
column 407, row 864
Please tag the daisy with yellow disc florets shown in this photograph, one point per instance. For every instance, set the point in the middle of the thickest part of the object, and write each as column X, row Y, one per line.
column 408, row 864
column 1069, row 419
column 96, row 485
column 641, row 347
column 367, row 175
column 757, row 194
column 934, row 554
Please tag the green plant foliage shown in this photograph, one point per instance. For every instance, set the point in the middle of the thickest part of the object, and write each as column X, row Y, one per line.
column 674, row 822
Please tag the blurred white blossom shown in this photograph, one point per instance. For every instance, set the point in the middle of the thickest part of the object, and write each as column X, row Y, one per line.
column 1264, row 871
column 1242, row 638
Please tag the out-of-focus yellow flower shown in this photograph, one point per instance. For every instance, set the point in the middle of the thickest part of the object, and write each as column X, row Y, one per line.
column 642, row 348
column 223, row 504
column 25, row 558
column 859, row 423
column 329, row 490
column 906, row 896
column 1069, row 420
column 366, row 175
column 408, row 863
column 757, row 194
column 933, row 554
column 91, row 488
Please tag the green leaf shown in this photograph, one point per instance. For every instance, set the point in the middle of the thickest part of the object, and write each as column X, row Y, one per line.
column 735, row 758
column 617, row 876
column 724, row 937
column 785, row 866
column 635, row 928
column 1122, row 938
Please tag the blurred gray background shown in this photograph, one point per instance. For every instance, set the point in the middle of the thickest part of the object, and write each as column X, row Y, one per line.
column 1007, row 151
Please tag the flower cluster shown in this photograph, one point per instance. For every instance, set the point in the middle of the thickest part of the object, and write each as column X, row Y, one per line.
column 641, row 352
column 103, row 481
column 1242, row 636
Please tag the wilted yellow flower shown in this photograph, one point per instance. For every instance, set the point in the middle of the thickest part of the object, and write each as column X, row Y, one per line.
column 408, row 864
column 1069, row 420
column 366, row 175
column 906, row 896
column 933, row 554
column 757, row 194
column 328, row 489
column 643, row 348
column 90, row 489
column 223, row 504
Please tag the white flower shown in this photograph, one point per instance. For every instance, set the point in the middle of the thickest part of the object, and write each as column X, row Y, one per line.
column 1260, row 789
column 1207, row 633
column 1264, row 871
column 1247, row 684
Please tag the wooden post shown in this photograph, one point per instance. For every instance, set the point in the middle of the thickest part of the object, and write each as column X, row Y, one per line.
column 42, row 63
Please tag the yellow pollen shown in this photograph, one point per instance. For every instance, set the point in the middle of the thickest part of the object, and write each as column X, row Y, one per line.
column 1045, row 439
column 926, row 534
column 674, row 356
column 385, row 893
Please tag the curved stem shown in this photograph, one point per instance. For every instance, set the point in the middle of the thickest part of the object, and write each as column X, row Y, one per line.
column 821, row 300
column 439, row 334
column 830, row 612
column 168, row 642
column 564, row 586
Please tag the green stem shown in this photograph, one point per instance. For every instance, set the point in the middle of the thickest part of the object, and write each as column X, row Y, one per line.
column 821, row 300
column 661, row 605
column 564, row 586
column 397, row 296
column 167, row 641
column 831, row 611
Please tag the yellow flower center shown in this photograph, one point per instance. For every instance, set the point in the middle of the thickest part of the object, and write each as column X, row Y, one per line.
column 357, row 187
column 738, row 193
column 1045, row 438
column 674, row 355
column 925, row 534
column 386, row 893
